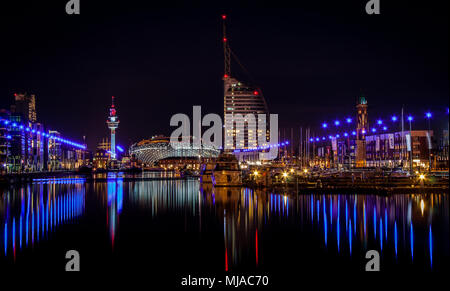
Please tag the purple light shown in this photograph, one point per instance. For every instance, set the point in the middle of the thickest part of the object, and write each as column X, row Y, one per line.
column 349, row 120
column 353, row 132
column 374, row 129
column 323, row 138
column 311, row 139
column 380, row 122
column 384, row 128
column 337, row 123
column 337, row 136
column 324, row 125
column 428, row 115
column 330, row 137
column 394, row 118
column 410, row 118
column 317, row 139
column 346, row 134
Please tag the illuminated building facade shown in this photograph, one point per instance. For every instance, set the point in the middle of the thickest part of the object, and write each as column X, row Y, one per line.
column 385, row 150
column 241, row 99
column 242, row 104
column 4, row 141
column 362, row 128
column 102, row 154
column 25, row 105
column 27, row 146
column 150, row 151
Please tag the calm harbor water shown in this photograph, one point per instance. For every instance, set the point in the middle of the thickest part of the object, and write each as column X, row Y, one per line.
column 178, row 226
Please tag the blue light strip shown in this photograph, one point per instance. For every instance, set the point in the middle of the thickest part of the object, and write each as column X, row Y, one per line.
column 44, row 134
column 282, row 144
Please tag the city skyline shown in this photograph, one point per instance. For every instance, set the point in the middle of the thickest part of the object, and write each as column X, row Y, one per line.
column 374, row 64
column 240, row 144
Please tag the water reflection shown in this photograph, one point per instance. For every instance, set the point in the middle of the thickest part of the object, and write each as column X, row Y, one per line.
column 31, row 213
column 344, row 225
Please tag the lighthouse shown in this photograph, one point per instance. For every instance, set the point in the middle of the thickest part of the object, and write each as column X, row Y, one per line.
column 113, row 124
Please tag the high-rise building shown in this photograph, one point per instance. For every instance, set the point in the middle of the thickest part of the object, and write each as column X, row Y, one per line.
column 361, row 130
column 240, row 100
column 26, row 105
column 243, row 103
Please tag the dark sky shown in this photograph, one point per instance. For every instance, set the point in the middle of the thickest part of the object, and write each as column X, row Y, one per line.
column 312, row 59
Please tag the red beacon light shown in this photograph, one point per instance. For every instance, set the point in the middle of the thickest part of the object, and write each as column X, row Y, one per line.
column 224, row 16
column 255, row 92
column 225, row 76
column 224, row 39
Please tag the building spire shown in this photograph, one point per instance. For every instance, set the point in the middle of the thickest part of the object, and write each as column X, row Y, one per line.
column 226, row 49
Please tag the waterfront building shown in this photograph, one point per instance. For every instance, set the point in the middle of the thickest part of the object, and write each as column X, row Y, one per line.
column 4, row 141
column 102, row 154
column 55, row 155
column 180, row 163
column 385, row 150
column 28, row 146
column 25, row 105
column 242, row 105
column 150, row 151
column 441, row 156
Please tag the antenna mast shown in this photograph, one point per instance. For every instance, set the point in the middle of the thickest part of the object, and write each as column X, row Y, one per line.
column 226, row 49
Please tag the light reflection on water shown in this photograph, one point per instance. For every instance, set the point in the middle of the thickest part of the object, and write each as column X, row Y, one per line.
column 401, row 227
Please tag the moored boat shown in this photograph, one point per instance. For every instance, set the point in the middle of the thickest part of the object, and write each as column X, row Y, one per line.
column 227, row 172
column 206, row 173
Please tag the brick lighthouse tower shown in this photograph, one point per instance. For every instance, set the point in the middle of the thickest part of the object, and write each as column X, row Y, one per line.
column 361, row 130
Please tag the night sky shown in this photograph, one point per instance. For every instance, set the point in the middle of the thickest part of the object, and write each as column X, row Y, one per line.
column 311, row 59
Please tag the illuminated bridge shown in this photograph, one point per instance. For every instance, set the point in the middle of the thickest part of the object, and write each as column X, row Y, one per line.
column 157, row 148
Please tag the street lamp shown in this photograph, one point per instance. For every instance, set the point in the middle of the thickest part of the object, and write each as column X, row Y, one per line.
column 422, row 178
column 428, row 116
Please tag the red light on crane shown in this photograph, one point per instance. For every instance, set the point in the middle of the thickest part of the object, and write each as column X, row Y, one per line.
column 225, row 76
column 224, row 39
column 224, row 16
column 255, row 92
